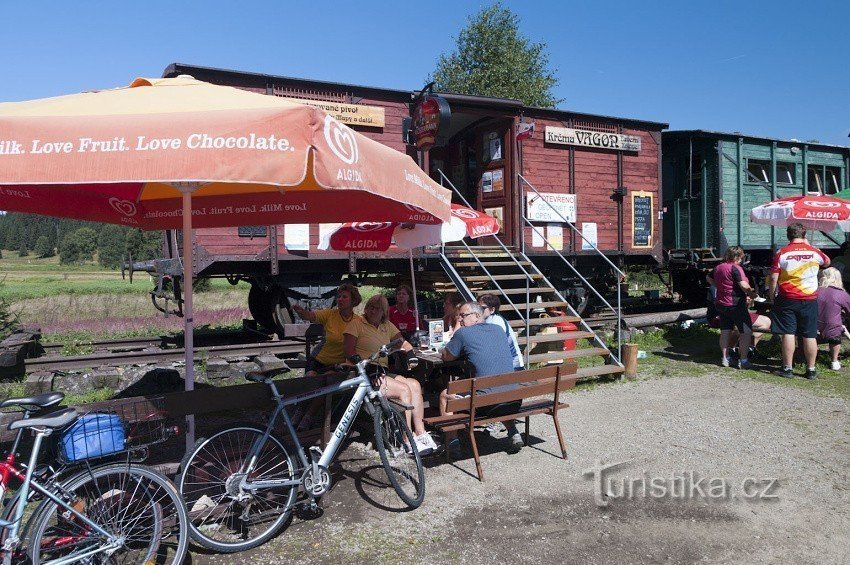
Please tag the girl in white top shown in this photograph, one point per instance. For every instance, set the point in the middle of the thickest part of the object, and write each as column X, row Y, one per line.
column 490, row 303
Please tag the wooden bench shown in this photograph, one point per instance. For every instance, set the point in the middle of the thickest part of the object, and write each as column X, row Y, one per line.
column 548, row 381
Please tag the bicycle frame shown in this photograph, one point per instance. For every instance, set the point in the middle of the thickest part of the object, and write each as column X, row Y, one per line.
column 362, row 383
column 8, row 468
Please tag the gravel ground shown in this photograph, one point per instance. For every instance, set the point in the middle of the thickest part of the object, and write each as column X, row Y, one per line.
column 696, row 438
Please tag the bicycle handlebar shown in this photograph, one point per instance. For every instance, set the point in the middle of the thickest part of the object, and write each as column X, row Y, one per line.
column 384, row 351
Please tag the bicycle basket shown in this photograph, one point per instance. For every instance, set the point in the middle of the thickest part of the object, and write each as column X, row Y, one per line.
column 122, row 426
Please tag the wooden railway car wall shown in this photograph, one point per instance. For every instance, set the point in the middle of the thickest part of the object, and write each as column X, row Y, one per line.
column 605, row 169
column 712, row 180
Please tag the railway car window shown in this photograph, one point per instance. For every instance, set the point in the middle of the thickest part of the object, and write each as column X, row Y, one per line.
column 785, row 173
column 815, row 174
column 758, row 171
column 833, row 180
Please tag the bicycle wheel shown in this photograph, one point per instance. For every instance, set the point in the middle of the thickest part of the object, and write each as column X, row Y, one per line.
column 223, row 516
column 136, row 505
column 395, row 444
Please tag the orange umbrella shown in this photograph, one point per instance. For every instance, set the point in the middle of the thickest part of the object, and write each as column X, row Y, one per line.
column 177, row 152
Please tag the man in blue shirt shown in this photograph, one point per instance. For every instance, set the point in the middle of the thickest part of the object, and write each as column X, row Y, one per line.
column 486, row 348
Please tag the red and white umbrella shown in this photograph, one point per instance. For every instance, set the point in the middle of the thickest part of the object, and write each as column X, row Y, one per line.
column 380, row 236
column 822, row 213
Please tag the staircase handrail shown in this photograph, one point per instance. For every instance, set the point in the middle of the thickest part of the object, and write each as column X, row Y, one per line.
column 571, row 226
column 528, row 278
column 618, row 310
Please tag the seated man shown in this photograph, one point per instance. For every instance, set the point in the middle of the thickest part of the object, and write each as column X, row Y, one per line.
column 489, row 353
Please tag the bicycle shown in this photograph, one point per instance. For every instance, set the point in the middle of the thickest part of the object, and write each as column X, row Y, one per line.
column 113, row 512
column 240, row 485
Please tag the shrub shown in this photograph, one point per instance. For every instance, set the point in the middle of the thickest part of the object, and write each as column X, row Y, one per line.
column 78, row 246
column 43, row 248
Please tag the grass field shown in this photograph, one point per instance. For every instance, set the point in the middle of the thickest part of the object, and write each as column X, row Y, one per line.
column 78, row 302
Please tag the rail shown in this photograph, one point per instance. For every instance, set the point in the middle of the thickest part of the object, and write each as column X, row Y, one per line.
column 528, row 277
column 619, row 274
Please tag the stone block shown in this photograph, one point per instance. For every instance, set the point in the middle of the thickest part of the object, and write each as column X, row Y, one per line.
column 269, row 362
column 38, row 382
column 105, row 377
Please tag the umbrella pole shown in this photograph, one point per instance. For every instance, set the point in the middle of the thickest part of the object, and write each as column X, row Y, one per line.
column 413, row 284
column 188, row 330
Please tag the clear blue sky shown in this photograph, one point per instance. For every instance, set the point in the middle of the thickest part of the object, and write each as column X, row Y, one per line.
column 768, row 68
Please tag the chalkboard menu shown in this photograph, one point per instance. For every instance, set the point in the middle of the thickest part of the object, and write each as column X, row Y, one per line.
column 641, row 219
column 253, row 231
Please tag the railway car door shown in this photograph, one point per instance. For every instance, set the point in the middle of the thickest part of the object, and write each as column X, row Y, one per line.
column 478, row 160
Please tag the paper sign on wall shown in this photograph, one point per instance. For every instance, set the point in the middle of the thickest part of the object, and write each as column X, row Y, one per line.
column 588, row 230
column 551, row 207
column 536, row 238
column 487, row 182
column 296, row 237
column 555, row 236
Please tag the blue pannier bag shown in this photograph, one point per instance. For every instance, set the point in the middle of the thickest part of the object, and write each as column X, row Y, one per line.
column 93, row 435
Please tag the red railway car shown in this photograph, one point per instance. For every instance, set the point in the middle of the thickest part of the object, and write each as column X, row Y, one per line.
column 599, row 174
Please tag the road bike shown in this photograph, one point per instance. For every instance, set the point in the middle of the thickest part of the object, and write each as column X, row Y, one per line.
column 240, row 484
column 84, row 513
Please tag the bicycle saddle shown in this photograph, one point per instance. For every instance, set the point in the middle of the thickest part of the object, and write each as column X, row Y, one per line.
column 58, row 419
column 36, row 402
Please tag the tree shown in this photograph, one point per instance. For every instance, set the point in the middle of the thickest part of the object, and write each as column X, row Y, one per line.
column 8, row 318
column 492, row 58
column 43, row 248
column 111, row 246
column 23, row 251
column 78, row 246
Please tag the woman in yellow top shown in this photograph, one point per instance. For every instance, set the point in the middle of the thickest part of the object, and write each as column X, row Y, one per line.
column 364, row 336
column 334, row 321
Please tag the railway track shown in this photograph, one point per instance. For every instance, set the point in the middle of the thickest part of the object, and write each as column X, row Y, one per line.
column 288, row 348
column 162, row 349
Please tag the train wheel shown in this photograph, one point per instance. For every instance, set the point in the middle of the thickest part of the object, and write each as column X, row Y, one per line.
column 280, row 310
column 261, row 307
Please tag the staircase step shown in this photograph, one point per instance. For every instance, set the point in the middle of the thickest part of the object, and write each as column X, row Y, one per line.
column 485, row 278
column 542, row 321
column 574, row 354
column 489, row 264
column 560, row 336
column 532, row 290
column 598, row 371
column 533, row 305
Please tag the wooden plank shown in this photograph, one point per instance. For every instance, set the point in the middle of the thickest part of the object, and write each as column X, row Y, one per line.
column 489, row 264
column 574, row 354
column 545, row 321
column 464, row 386
column 521, row 393
column 598, row 371
column 485, row 278
column 531, row 290
column 560, row 336
column 199, row 401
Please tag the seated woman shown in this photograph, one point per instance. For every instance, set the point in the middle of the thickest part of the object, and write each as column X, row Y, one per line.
column 451, row 322
column 334, row 321
column 833, row 301
column 364, row 336
column 402, row 315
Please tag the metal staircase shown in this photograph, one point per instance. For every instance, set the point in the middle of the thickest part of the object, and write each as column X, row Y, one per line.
column 534, row 308
column 539, row 314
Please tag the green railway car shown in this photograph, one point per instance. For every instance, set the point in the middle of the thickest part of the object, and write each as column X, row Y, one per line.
column 711, row 181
